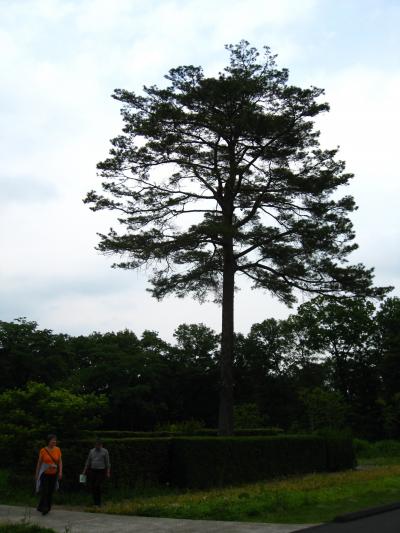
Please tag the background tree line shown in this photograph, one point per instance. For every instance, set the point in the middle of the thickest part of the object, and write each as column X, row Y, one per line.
column 333, row 364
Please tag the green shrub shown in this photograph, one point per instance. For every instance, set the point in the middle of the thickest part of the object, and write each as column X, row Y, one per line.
column 206, row 462
column 362, row 448
column 381, row 448
column 42, row 410
column 386, row 448
column 247, row 415
column 186, row 427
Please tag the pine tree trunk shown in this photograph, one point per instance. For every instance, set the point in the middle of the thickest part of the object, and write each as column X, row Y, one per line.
column 225, row 424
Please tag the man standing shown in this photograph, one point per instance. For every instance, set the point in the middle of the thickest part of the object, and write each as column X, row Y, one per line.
column 97, row 467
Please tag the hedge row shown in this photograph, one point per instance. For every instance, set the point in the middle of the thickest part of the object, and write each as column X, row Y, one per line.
column 201, row 462
column 115, row 434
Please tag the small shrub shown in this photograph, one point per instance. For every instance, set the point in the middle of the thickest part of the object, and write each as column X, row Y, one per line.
column 386, row 448
column 247, row 415
column 362, row 448
column 186, row 427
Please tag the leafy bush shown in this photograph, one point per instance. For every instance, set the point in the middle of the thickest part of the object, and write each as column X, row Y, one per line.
column 42, row 410
column 382, row 448
column 323, row 409
column 247, row 415
column 186, row 427
column 362, row 448
column 29, row 414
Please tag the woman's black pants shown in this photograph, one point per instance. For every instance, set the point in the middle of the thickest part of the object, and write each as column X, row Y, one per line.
column 97, row 477
column 47, row 486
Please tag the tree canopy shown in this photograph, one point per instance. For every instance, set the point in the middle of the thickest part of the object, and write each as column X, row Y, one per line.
column 331, row 364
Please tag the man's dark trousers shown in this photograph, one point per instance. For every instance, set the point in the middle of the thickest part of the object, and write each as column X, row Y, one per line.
column 97, row 477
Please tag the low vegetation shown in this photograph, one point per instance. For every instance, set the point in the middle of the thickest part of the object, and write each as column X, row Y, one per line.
column 308, row 499
column 24, row 528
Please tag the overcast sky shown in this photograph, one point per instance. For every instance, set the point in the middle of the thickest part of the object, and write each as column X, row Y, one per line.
column 60, row 60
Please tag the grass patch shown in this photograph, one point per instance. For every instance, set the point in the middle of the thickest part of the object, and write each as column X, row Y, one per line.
column 24, row 494
column 24, row 528
column 308, row 499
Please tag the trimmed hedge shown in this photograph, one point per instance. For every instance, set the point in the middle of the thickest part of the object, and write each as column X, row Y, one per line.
column 202, row 463
column 340, row 454
column 133, row 461
column 115, row 434
column 199, row 462
column 258, row 432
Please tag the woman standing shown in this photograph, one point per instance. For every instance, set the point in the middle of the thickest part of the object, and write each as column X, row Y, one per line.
column 48, row 473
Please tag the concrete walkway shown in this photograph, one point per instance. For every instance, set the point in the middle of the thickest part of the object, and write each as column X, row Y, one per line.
column 80, row 522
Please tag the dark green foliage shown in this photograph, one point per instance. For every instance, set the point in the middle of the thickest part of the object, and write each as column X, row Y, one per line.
column 385, row 448
column 37, row 410
column 334, row 363
column 202, row 462
column 30, row 354
column 247, row 415
column 131, row 371
column 193, row 376
column 323, row 409
column 346, row 332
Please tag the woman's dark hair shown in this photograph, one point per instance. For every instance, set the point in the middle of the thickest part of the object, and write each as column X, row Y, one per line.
column 50, row 437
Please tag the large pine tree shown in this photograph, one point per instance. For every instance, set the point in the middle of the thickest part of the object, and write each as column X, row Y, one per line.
column 218, row 176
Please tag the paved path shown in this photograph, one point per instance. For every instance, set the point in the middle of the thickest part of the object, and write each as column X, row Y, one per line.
column 80, row 522
column 388, row 522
